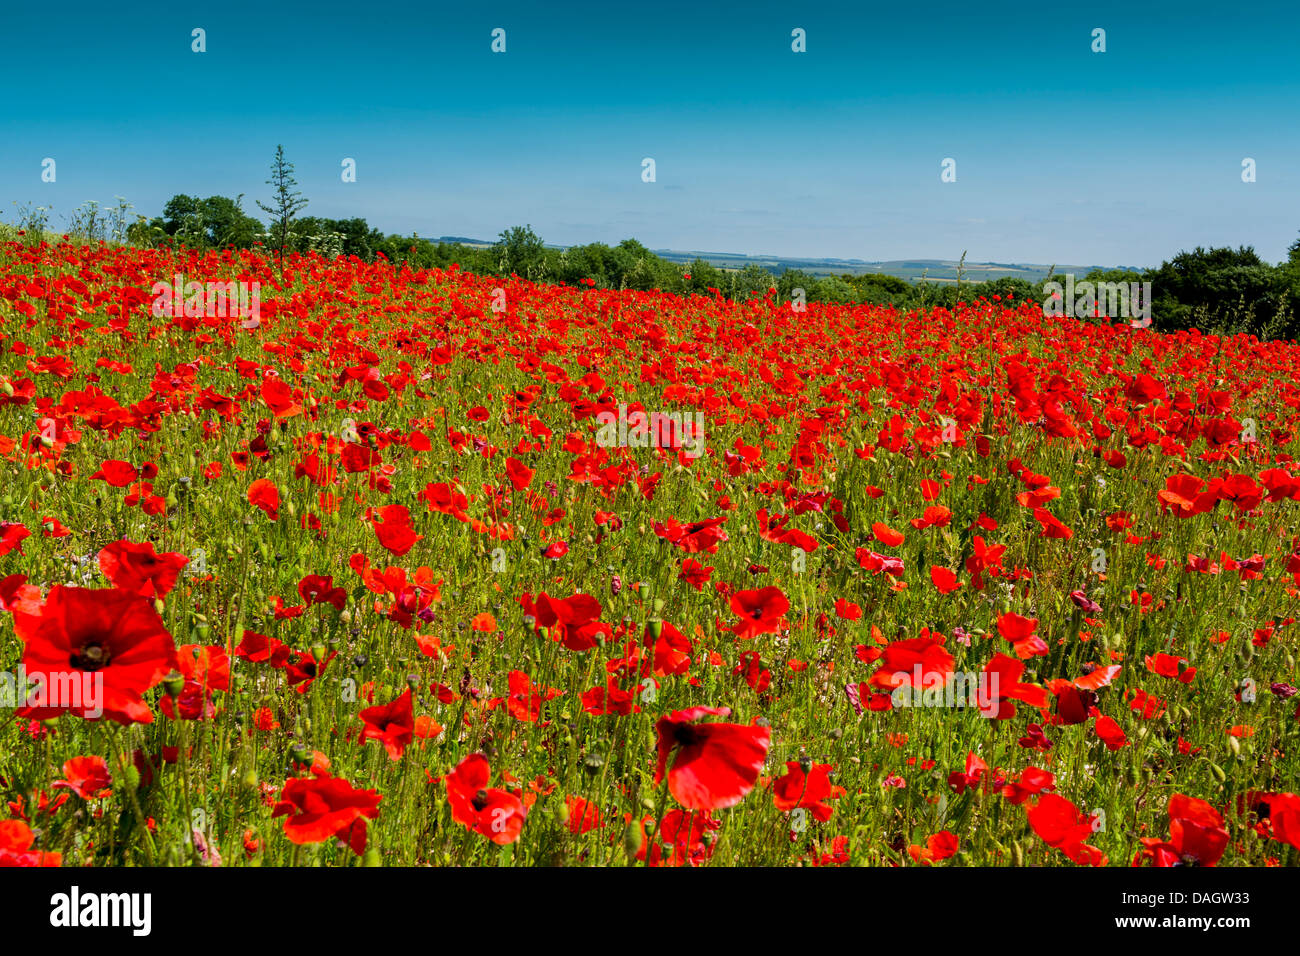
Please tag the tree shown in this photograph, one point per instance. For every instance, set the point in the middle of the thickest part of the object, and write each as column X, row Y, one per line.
column 1216, row 286
column 519, row 250
column 287, row 202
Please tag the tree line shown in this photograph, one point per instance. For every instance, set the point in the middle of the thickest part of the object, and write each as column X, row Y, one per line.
column 1221, row 290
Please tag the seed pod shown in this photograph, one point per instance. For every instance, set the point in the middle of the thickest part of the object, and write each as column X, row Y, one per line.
column 633, row 839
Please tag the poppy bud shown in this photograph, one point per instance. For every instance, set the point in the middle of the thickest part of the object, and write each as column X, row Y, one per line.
column 633, row 839
column 131, row 775
column 174, row 683
column 158, row 605
column 1219, row 775
column 1017, row 854
column 1234, row 744
column 372, row 857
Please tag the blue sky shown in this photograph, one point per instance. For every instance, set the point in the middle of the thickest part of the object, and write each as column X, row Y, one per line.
column 1063, row 155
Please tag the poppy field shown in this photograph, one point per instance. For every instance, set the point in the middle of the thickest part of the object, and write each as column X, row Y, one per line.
column 415, row 567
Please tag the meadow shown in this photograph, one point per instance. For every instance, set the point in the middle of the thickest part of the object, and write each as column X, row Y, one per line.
column 359, row 582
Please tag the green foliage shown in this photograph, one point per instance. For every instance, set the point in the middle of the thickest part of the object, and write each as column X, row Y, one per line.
column 286, row 202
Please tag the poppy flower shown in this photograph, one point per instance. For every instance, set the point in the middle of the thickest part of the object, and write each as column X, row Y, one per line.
column 714, row 765
column 520, row 475
column 795, row 788
column 117, row 474
column 1197, row 836
column 139, row 569
column 393, row 725
column 939, row 847
column 572, row 621
column 1111, row 733
column 1002, row 680
column 87, row 777
column 582, row 815
column 944, row 580
column 694, row 573
column 760, row 611
column 918, row 662
column 1060, row 824
column 11, row 537
column 16, row 840
column 317, row 808
column 1020, row 632
column 392, row 524
column 526, row 698
column 263, row 494
column 110, row 640
column 886, row 535
column 496, row 814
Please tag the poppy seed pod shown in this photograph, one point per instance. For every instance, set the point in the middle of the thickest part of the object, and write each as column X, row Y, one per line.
column 633, row 839
column 174, row 683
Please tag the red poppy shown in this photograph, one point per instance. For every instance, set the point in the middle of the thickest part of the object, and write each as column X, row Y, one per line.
column 1061, row 825
column 520, row 475
column 87, row 777
column 812, row 789
column 942, row 846
column 264, row 495
column 110, row 640
column 1020, row 632
column 392, row 524
column 1002, row 680
column 11, row 537
column 496, row 814
column 695, row 574
column 760, row 611
column 16, row 839
column 715, row 765
column 572, row 621
column 317, row 808
column 1197, row 836
column 1111, row 733
column 118, row 474
column 393, row 725
column 138, row 569
column 526, row 698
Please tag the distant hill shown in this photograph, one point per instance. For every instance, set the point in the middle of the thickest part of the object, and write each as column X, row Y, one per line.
column 933, row 270
column 912, row 270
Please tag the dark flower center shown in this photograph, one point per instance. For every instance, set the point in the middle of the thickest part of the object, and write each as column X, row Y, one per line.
column 90, row 657
column 685, row 735
column 480, row 800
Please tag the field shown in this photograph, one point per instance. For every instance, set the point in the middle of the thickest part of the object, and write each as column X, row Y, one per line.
column 391, row 573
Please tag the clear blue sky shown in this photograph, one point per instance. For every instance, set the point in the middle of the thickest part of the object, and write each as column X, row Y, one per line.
column 1062, row 155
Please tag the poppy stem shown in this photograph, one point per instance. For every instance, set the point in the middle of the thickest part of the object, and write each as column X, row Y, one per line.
column 135, row 800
